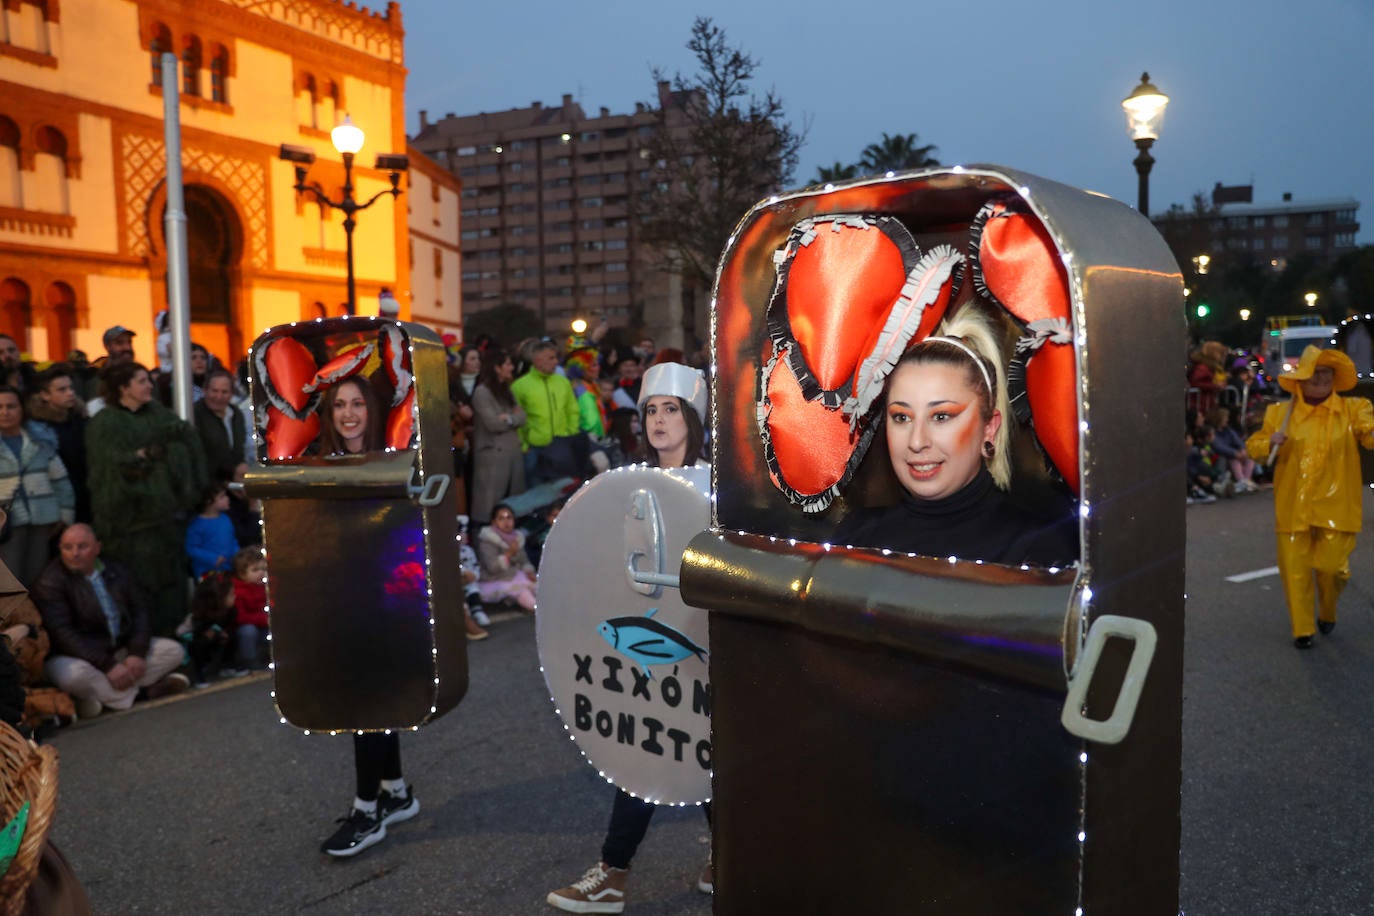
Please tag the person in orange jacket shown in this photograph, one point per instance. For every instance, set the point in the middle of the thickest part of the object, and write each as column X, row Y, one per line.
column 1317, row 505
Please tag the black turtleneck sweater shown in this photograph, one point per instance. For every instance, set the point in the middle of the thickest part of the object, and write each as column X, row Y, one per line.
column 977, row 523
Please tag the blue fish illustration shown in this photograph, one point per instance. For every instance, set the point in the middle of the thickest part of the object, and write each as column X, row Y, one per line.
column 647, row 642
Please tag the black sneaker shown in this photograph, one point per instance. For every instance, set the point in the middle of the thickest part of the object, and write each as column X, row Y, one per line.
column 356, row 832
column 392, row 809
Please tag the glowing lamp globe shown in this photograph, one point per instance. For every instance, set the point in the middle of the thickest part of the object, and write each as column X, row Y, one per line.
column 1145, row 110
column 348, row 137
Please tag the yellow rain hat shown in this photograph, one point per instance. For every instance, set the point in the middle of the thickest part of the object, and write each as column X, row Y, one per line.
column 1312, row 357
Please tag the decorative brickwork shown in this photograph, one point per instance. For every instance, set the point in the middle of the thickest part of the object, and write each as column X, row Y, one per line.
column 143, row 162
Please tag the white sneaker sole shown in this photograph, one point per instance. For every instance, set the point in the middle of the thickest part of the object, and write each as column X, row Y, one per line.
column 584, row 906
column 403, row 814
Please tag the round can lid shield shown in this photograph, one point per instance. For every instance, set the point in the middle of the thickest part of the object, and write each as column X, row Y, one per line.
column 627, row 670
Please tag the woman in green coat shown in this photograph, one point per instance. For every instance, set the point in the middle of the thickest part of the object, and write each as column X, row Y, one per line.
column 146, row 472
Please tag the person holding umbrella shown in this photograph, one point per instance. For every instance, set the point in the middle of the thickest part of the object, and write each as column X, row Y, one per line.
column 1317, row 506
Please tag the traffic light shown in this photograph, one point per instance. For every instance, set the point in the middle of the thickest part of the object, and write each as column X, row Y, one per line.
column 1203, row 310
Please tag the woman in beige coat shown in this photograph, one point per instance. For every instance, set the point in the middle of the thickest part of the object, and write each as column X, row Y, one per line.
column 498, row 468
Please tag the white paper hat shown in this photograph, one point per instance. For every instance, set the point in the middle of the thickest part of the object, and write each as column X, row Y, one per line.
column 675, row 380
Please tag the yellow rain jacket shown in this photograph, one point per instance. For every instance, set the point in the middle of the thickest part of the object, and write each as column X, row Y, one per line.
column 1317, row 478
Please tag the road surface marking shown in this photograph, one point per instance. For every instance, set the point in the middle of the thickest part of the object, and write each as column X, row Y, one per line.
column 1253, row 574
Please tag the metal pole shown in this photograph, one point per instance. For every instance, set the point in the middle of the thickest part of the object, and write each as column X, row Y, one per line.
column 349, row 223
column 1143, row 164
column 178, row 299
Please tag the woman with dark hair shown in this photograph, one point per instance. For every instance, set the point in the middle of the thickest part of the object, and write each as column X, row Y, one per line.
column 34, row 489
column 146, row 474
column 351, row 419
column 498, row 466
column 351, row 422
column 944, row 409
column 672, row 399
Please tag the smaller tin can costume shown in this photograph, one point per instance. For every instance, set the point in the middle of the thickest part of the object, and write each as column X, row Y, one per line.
column 1317, row 510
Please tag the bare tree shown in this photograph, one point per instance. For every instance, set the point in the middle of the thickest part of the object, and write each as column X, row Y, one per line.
column 719, row 148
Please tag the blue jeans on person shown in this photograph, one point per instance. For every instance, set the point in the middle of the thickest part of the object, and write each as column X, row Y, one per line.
column 247, row 636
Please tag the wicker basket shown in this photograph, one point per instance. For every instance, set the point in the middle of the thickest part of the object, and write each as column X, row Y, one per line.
column 27, row 773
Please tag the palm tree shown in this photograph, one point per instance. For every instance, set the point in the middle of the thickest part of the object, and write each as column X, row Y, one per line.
column 895, row 153
column 837, row 172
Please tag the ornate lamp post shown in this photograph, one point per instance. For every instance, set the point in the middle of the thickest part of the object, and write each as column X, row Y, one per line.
column 1144, row 114
column 348, row 140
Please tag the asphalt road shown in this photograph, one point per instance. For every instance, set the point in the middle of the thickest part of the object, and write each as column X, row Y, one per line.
column 208, row 805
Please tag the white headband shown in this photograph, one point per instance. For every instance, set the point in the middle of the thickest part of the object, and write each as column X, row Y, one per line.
column 978, row 360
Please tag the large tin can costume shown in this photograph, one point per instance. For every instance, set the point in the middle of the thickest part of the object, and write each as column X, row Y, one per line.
column 364, row 585
column 898, row 733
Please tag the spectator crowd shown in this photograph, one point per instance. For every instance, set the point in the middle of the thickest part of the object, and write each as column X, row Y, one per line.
column 143, row 565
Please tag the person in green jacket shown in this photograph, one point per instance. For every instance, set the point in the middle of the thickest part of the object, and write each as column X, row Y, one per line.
column 146, row 471
column 551, row 437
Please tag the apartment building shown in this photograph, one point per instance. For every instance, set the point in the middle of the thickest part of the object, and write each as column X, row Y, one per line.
column 1274, row 232
column 547, row 204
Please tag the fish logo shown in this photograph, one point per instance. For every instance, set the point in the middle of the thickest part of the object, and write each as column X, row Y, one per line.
column 646, row 642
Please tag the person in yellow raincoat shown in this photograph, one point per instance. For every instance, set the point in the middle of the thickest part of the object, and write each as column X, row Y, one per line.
column 1317, row 498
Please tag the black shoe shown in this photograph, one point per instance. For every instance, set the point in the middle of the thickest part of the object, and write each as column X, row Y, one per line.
column 357, row 831
column 1303, row 642
column 1326, row 626
column 392, row 809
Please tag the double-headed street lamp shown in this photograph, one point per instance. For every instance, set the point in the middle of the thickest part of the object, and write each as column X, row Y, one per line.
column 348, row 140
column 1144, row 114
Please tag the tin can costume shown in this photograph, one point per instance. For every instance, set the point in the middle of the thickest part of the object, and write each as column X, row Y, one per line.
column 1317, row 505
column 951, row 729
column 364, row 584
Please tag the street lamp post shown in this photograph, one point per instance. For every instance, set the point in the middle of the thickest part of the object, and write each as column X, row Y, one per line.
column 348, row 140
column 1144, row 114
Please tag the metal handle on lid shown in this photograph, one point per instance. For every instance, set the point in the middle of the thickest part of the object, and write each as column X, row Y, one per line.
column 1113, row 729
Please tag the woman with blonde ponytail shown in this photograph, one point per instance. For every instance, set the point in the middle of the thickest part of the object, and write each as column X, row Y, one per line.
column 945, row 412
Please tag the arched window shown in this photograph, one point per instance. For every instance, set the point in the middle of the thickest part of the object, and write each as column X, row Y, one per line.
column 15, row 307
column 306, row 101
column 162, row 41
column 318, row 310
column 190, row 67
column 330, row 116
column 11, row 188
column 59, row 318
column 219, row 75
column 48, row 183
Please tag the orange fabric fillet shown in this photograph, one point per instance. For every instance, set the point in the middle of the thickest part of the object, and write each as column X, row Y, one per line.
column 291, row 368
column 287, row 437
column 838, row 287
column 1022, row 268
column 812, row 444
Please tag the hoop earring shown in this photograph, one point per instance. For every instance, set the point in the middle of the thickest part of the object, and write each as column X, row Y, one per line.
column 989, row 450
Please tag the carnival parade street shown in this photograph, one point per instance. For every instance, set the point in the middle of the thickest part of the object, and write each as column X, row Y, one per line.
column 206, row 804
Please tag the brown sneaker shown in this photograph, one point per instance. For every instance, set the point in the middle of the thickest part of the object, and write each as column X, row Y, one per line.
column 475, row 633
column 707, row 882
column 170, row 685
column 600, row 890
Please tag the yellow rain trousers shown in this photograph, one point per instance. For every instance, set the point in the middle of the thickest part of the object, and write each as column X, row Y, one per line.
column 1317, row 498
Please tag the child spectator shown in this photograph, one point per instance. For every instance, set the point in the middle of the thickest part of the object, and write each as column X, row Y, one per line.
column 208, row 627
column 210, row 541
column 507, row 573
column 250, row 604
column 472, row 592
column 1199, row 474
column 1222, row 484
column 1230, row 446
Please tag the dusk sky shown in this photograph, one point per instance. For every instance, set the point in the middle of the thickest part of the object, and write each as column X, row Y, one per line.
column 1273, row 93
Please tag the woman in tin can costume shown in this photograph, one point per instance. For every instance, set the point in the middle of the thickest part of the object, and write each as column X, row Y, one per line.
column 348, row 426
column 944, row 411
column 672, row 404
column 1317, row 510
